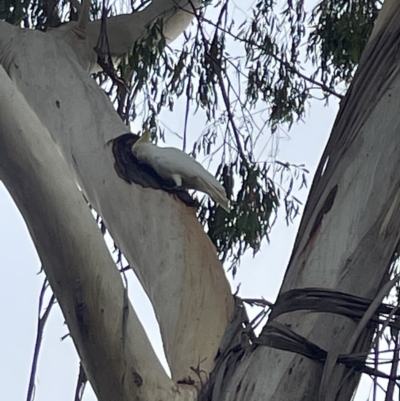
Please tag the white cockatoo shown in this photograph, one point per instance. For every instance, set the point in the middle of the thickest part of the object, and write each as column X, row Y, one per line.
column 184, row 170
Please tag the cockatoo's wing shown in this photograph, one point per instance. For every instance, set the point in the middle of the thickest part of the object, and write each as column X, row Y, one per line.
column 172, row 163
column 194, row 175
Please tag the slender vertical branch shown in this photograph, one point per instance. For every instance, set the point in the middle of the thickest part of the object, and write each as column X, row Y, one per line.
column 217, row 70
column 81, row 384
column 39, row 336
column 187, row 113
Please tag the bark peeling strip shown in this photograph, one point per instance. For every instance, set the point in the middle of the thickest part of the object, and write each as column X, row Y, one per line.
column 326, row 207
column 390, row 212
column 235, row 342
column 278, row 336
column 329, row 301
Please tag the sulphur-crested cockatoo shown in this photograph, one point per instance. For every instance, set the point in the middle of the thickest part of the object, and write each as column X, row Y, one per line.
column 184, row 170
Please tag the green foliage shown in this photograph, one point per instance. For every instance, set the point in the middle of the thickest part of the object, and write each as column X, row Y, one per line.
column 40, row 14
column 248, row 76
column 340, row 30
column 252, row 209
column 13, row 11
column 272, row 43
column 254, row 203
column 37, row 14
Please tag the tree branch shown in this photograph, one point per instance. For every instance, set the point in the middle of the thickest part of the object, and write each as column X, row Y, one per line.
column 124, row 30
column 287, row 65
column 76, row 260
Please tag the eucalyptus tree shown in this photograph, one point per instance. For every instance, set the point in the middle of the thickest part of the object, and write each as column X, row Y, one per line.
column 66, row 149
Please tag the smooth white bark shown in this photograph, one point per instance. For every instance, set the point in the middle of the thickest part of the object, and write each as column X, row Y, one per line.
column 114, row 349
column 161, row 237
column 125, row 29
column 345, row 244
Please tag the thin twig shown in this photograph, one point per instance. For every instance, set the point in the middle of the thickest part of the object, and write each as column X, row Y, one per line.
column 39, row 336
column 187, row 113
column 393, row 370
column 376, row 364
column 75, row 4
column 258, row 302
column 274, row 56
column 81, row 384
column 221, row 82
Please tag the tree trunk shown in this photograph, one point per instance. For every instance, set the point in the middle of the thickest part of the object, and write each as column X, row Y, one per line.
column 347, row 237
column 117, row 356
